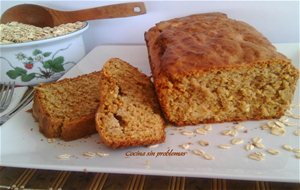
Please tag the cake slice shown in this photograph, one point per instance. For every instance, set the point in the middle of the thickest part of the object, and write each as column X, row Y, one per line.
column 129, row 113
column 66, row 109
column 210, row 68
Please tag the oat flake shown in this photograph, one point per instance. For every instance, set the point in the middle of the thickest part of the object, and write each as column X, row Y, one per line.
column 187, row 133
column 236, row 141
column 249, row 146
column 258, row 156
column 203, row 143
column 185, row 146
column 283, row 119
column 239, row 127
column 50, row 140
column 259, row 145
column 231, row 132
column 296, row 150
column 256, row 140
column 273, row 151
column 224, row 146
column 279, row 124
column 277, row 131
column 208, row 127
column 287, row 147
column 153, row 146
column 297, row 132
column 64, row 156
column 102, row 154
column 208, row 156
column 201, row 131
column 198, row 152
column 89, row 154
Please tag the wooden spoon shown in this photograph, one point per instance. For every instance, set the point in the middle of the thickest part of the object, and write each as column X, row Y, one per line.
column 42, row 16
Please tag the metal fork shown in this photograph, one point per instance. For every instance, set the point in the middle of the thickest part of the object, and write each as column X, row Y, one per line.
column 26, row 100
column 6, row 94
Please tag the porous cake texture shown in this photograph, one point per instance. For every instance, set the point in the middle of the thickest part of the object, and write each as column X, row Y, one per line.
column 129, row 113
column 66, row 109
column 210, row 68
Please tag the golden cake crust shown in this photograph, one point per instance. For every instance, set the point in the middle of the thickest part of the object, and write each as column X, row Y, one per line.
column 203, row 42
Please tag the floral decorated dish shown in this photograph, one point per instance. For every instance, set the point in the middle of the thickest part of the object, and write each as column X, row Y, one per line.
column 40, row 61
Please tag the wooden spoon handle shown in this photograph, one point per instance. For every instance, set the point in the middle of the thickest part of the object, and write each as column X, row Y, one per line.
column 110, row 11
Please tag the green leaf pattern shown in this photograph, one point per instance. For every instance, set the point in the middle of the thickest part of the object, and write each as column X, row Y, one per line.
column 50, row 66
column 36, row 52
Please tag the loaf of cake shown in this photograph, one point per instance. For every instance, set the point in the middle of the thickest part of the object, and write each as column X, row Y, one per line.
column 129, row 112
column 210, row 68
column 66, row 109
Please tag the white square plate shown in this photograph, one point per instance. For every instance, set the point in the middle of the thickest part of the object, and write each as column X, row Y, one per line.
column 23, row 146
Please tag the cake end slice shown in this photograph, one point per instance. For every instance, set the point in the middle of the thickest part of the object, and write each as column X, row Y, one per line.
column 129, row 113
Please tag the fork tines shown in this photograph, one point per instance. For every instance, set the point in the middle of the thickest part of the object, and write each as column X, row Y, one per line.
column 6, row 93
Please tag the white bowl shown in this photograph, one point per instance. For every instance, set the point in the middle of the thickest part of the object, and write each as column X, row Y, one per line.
column 41, row 61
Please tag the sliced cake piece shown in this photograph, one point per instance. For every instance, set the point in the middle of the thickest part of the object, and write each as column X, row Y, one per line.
column 66, row 109
column 129, row 113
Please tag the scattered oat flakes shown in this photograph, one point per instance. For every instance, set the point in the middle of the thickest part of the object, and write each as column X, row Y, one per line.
column 187, row 133
column 257, row 156
column 198, row 152
column 208, row 156
column 297, row 132
column 224, row 146
column 283, row 119
column 287, row 147
column 279, row 124
column 226, row 132
column 15, row 32
column 265, row 127
column 208, row 127
column 273, row 151
column 201, row 131
column 271, row 124
column 276, row 127
column 230, row 132
column 234, row 132
column 259, row 145
column 64, row 156
column 102, row 154
column 277, row 131
column 153, row 146
column 297, row 155
column 235, row 141
column 292, row 115
column 89, row 154
column 203, row 143
column 256, row 140
column 50, row 140
column 286, row 122
column 249, row 146
column 296, row 150
column 185, row 146
column 239, row 127
column 290, row 124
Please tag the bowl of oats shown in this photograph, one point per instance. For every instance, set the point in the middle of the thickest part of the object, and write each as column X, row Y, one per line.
column 31, row 55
